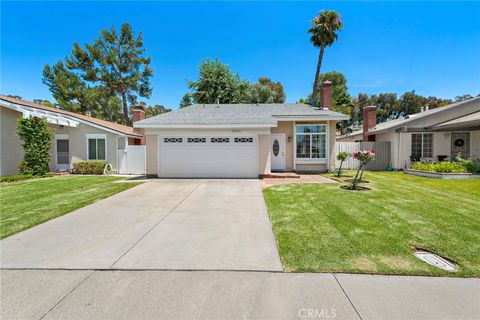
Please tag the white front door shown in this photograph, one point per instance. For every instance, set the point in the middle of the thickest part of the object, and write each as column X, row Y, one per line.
column 278, row 152
column 62, row 152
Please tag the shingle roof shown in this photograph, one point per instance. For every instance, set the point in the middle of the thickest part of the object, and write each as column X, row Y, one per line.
column 238, row 114
column 103, row 123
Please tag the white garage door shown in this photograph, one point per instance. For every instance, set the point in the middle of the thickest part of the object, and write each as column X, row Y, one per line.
column 221, row 156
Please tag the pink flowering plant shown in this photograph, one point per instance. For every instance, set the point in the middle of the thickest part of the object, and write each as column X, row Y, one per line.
column 365, row 157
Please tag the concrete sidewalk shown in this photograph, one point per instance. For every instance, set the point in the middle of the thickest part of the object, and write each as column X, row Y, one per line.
column 84, row 294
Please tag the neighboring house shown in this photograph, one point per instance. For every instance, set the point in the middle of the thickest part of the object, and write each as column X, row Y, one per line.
column 76, row 137
column 241, row 140
column 430, row 135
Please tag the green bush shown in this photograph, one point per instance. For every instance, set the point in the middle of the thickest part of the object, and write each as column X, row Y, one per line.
column 89, row 167
column 37, row 139
column 472, row 165
column 440, row 167
column 20, row 177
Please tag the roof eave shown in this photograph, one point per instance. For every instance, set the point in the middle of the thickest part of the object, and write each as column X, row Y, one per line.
column 312, row 117
column 201, row 126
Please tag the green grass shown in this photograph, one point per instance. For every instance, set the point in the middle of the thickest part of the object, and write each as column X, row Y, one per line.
column 322, row 228
column 28, row 203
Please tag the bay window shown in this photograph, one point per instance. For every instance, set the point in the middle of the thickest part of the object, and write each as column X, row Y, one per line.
column 311, row 142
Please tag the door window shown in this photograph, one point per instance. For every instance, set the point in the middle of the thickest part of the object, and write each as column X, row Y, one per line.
column 276, row 147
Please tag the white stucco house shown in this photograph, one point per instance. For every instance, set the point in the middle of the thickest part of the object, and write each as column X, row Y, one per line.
column 431, row 135
column 76, row 137
column 241, row 140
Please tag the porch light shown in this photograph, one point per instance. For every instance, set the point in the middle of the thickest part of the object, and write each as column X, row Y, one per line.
column 289, row 138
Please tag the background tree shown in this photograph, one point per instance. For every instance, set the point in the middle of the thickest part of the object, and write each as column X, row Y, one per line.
column 115, row 62
column 155, row 110
column 216, row 82
column 323, row 34
column 187, row 100
column 266, row 91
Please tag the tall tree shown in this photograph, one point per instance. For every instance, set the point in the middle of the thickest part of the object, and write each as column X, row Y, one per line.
column 266, row 91
column 323, row 34
column 216, row 82
column 115, row 62
column 187, row 100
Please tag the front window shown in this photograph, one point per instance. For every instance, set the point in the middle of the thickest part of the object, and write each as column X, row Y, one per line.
column 96, row 149
column 422, row 145
column 311, row 141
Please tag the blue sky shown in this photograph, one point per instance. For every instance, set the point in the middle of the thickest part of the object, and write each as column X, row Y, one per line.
column 431, row 47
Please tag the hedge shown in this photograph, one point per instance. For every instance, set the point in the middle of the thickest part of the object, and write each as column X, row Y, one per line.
column 89, row 167
column 441, row 167
column 20, row 177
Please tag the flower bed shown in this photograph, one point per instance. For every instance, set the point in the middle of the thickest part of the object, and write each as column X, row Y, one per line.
column 441, row 175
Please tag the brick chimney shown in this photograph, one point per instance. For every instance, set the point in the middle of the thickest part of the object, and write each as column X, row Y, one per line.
column 369, row 121
column 326, row 94
column 137, row 115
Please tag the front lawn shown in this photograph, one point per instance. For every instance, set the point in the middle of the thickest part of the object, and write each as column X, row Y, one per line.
column 26, row 204
column 322, row 228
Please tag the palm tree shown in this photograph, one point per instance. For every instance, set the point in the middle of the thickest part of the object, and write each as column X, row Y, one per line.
column 323, row 34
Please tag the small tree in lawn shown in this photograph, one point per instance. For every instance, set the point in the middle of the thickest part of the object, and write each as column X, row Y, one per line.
column 342, row 156
column 365, row 157
column 37, row 139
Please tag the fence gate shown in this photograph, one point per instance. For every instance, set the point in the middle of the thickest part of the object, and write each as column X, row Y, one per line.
column 132, row 160
column 382, row 150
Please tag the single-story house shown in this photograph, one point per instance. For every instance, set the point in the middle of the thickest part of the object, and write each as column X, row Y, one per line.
column 241, row 140
column 76, row 137
column 431, row 135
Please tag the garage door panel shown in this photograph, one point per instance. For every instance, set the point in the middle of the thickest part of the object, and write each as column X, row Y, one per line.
column 208, row 159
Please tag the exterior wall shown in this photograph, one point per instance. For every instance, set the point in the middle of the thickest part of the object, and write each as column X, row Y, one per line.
column 264, row 154
column 286, row 127
column 78, row 144
column 475, row 144
column 11, row 152
column 152, row 155
column 401, row 144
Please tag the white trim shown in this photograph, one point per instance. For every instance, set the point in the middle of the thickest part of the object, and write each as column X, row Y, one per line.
column 312, row 161
column 51, row 117
column 327, row 137
column 202, row 126
column 96, row 136
column 327, row 145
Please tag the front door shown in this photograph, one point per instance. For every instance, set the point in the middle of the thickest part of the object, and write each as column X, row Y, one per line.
column 278, row 152
column 62, row 152
column 460, row 144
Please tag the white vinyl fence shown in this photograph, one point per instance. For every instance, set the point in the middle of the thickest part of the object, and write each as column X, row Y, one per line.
column 132, row 160
column 382, row 150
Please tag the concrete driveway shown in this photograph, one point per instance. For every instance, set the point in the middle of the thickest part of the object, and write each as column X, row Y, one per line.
column 162, row 224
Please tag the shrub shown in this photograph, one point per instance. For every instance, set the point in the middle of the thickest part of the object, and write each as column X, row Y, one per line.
column 37, row 139
column 440, row 167
column 89, row 167
column 20, row 177
column 471, row 165
column 365, row 157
